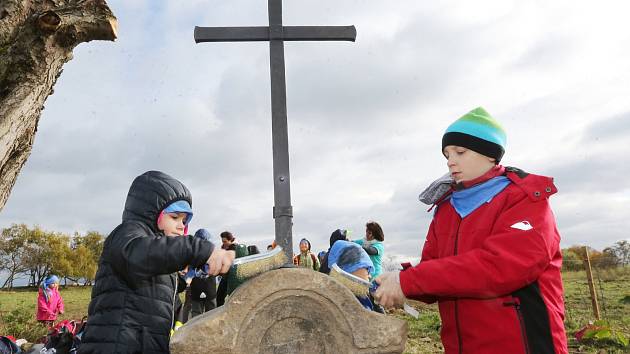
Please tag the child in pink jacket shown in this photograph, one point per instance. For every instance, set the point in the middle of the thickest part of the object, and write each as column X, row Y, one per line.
column 49, row 301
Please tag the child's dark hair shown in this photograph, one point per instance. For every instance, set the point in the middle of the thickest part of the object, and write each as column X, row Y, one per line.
column 376, row 230
column 349, row 256
column 227, row 235
column 252, row 249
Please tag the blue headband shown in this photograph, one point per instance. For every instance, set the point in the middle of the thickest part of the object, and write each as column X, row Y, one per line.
column 180, row 206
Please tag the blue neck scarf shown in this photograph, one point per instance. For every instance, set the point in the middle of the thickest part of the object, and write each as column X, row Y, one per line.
column 467, row 200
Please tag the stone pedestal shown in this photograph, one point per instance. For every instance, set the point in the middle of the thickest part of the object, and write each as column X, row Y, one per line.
column 291, row 311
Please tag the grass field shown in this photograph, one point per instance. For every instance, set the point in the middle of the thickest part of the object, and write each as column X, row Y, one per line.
column 423, row 334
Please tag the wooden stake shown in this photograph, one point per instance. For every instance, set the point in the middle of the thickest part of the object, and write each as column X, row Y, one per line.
column 591, row 286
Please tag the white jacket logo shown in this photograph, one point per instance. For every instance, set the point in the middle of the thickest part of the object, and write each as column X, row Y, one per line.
column 522, row 225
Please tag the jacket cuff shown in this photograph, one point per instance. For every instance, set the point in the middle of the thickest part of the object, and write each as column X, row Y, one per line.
column 408, row 284
column 204, row 251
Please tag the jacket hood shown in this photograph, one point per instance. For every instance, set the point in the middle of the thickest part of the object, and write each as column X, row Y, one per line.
column 536, row 187
column 149, row 194
column 337, row 235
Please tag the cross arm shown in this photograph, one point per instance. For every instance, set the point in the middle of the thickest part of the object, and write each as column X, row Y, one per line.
column 231, row 34
column 262, row 33
column 319, row 33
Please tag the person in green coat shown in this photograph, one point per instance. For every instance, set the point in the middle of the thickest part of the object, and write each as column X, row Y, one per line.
column 228, row 242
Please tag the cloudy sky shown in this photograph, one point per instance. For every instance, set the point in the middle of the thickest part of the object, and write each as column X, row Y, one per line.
column 365, row 118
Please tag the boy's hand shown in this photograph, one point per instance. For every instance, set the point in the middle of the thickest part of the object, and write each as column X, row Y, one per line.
column 220, row 261
column 389, row 294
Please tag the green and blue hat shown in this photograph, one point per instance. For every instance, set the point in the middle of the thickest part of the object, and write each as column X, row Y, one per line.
column 479, row 132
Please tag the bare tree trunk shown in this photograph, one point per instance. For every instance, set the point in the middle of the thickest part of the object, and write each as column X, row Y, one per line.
column 11, row 267
column 36, row 38
column 8, row 283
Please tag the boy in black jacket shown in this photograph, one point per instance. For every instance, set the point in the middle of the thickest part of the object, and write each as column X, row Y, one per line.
column 132, row 306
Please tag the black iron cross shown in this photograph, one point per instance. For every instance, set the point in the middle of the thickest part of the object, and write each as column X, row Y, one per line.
column 276, row 34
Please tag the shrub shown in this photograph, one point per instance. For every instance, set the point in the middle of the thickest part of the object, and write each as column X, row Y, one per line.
column 601, row 334
column 20, row 323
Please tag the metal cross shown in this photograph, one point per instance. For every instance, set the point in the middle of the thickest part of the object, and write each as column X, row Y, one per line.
column 276, row 34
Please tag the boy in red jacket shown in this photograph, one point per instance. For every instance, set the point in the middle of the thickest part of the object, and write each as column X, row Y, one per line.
column 492, row 257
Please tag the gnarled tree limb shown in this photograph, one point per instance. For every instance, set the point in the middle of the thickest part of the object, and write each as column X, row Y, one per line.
column 36, row 38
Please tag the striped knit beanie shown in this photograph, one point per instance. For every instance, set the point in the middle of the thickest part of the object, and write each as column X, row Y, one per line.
column 479, row 132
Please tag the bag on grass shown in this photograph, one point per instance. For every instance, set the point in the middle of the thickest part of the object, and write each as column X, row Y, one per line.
column 64, row 337
column 8, row 346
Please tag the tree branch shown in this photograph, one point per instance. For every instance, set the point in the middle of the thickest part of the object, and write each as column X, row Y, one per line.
column 36, row 39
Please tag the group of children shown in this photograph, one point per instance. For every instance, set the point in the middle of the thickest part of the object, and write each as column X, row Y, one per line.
column 372, row 245
column 361, row 258
column 202, row 293
column 491, row 258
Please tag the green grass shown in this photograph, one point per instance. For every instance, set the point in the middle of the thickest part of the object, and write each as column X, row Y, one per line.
column 18, row 309
column 613, row 308
column 75, row 299
column 423, row 334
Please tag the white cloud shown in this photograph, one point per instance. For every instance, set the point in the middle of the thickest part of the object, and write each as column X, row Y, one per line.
column 365, row 118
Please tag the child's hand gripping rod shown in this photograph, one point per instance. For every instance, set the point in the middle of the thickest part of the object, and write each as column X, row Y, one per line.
column 361, row 287
column 406, row 307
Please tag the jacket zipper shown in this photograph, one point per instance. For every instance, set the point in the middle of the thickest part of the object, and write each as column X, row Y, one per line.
column 173, row 307
column 459, row 336
column 521, row 322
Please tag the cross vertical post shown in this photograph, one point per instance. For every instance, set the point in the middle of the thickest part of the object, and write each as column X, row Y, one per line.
column 282, row 210
column 276, row 33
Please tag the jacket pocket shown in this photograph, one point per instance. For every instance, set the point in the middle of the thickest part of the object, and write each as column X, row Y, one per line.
column 516, row 304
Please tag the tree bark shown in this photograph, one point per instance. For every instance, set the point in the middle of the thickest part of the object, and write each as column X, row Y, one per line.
column 36, row 38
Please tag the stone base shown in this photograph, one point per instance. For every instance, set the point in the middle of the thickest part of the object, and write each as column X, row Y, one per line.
column 291, row 311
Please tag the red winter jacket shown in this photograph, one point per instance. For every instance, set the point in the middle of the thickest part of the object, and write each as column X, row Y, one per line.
column 495, row 273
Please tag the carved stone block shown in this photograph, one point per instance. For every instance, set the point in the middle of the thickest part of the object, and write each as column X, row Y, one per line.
column 291, row 311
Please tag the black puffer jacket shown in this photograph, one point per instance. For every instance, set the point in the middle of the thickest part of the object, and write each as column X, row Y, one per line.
column 131, row 310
